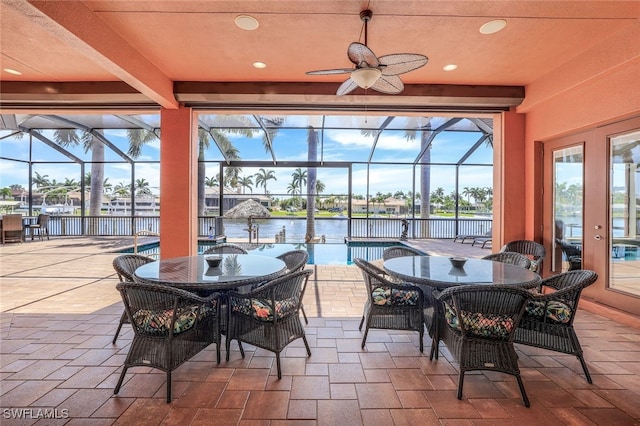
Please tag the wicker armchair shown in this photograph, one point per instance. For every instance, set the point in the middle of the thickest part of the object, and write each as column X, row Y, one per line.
column 390, row 305
column 170, row 326
column 41, row 225
column 225, row 248
column 269, row 316
column 533, row 250
column 511, row 258
column 125, row 266
column 399, row 251
column 296, row 261
column 477, row 324
column 12, row 230
column 548, row 319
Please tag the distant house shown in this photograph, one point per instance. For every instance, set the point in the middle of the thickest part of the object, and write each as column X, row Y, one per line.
column 231, row 199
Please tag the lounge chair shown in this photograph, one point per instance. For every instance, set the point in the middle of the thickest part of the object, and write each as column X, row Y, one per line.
column 471, row 237
column 482, row 240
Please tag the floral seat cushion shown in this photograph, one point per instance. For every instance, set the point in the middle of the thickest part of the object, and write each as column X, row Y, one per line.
column 159, row 322
column 388, row 296
column 553, row 310
column 479, row 324
column 261, row 309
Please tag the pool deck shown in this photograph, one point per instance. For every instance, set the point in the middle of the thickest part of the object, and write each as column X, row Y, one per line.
column 59, row 310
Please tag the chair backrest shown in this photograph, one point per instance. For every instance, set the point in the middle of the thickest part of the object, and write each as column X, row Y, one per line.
column 12, row 222
column 226, row 248
column 43, row 220
column 160, row 310
column 294, row 259
column 288, row 289
column 567, row 288
column 490, row 312
column 532, row 249
column 399, row 251
column 510, row 257
column 373, row 276
column 126, row 264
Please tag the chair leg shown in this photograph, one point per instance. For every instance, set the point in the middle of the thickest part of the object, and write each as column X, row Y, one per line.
column 460, row 383
column 123, row 319
column 169, row 386
column 525, row 399
column 361, row 322
column 120, row 380
column 584, row 368
column 278, row 365
column 306, row 345
column 364, row 338
column 304, row 315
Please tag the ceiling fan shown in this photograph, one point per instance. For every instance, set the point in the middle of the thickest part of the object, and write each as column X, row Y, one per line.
column 371, row 72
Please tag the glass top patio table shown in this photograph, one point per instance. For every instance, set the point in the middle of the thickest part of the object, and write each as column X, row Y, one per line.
column 437, row 272
column 193, row 272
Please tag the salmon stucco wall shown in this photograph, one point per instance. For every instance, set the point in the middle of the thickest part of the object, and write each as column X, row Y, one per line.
column 600, row 86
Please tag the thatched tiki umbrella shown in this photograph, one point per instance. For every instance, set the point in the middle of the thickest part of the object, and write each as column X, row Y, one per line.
column 248, row 210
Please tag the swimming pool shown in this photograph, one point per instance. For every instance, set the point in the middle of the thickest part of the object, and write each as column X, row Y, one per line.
column 319, row 254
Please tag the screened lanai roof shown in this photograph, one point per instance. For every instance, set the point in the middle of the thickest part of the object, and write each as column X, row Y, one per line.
column 279, row 139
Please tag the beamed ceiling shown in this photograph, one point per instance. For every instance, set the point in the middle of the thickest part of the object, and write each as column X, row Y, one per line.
column 140, row 54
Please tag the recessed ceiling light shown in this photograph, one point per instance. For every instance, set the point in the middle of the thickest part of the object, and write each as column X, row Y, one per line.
column 12, row 71
column 450, row 67
column 246, row 22
column 493, row 26
column 259, row 64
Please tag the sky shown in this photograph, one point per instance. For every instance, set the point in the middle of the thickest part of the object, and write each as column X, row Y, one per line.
column 336, row 145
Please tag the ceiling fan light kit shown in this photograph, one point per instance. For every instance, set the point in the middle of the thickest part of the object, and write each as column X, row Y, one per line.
column 366, row 77
column 370, row 72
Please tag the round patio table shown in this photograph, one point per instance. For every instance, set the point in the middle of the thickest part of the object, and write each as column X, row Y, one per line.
column 437, row 272
column 192, row 272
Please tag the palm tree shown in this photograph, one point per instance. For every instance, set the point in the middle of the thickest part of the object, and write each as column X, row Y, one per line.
column 5, row 192
column 40, row 181
column 211, row 181
column 142, row 187
column 246, row 182
column 299, row 179
column 263, row 177
column 228, row 150
column 312, row 183
column 425, row 169
column 121, row 190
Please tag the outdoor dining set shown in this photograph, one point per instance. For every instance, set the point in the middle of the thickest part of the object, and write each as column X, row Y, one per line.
column 477, row 307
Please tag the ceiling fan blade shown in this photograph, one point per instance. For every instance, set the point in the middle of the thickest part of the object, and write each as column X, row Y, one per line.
column 390, row 84
column 400, row 63
column 362, row 56
column 347, row 87
column 333, row 71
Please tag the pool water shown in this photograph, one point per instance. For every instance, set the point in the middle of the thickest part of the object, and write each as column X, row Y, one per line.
column 319, row 254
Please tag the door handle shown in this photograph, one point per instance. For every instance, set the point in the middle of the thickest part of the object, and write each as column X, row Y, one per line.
column 597, row 237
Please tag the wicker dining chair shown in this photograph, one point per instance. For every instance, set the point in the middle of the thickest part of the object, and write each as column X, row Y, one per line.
column 390, row 305
column 225, row 248
column 125, row 266
column 399, row 251
column 170, row 326
column 296, row 261
column 533, row 250
column 572, row 252
column 477, row 324
column 268, row 317
column 41, row 225
column 511, row 258
column 548, row 319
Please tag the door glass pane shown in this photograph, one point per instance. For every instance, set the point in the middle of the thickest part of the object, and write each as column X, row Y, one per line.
column 624, row 213
column 567, row 208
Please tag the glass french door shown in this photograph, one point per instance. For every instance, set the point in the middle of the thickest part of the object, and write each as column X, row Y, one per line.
column 591, row 210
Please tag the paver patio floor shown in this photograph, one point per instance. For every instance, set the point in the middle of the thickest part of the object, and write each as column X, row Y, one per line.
column 59, row 310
